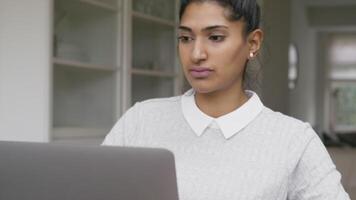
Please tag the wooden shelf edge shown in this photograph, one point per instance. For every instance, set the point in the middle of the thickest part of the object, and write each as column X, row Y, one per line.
column 100, row 5
column 68, row 133
column 80, row 141
column 153, row 19
column 78, row 64
column 154, row 73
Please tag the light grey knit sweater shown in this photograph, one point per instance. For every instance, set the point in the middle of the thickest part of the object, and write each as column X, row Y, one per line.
column 275, row 157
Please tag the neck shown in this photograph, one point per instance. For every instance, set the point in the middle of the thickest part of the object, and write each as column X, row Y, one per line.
column 220, row 103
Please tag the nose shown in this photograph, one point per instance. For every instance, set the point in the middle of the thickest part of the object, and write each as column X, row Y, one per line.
column 199, row 53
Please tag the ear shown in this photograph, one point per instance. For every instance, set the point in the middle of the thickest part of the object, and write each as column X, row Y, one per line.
column 254, row 40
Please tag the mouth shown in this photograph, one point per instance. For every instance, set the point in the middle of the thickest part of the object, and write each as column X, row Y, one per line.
column 200, row 72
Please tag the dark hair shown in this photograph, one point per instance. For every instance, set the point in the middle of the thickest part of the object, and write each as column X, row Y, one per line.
column 248, row 11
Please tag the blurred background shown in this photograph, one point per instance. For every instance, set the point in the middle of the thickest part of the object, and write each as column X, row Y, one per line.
column 70, row 68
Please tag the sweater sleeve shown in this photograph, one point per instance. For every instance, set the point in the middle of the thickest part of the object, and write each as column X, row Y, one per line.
column 315, row 176
column 127, row 124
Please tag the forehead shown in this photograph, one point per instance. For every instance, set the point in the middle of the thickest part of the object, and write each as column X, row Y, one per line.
column 199, row 15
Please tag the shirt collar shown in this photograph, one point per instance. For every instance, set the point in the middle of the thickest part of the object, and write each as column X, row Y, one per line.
column 230, row 124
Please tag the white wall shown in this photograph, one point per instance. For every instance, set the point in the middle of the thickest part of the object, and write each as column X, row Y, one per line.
column 25, row 70
column 305, row 102
column 276, row 24
column 302, row 98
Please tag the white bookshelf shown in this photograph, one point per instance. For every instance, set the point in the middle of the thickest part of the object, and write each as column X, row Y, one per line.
column 155, row 71
column 107, row 55
column 78, row 135
column 83, row 65
column 110, row 5
column 66, row 133
column 86, row 69
column 153, row 19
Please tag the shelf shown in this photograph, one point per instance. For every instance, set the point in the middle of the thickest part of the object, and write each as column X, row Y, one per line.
column 81, row 141
column 153, row 49
column 100, row 4
column 73, row 133
column 153, row 19
column 85, row 33
column 147, row 87
column 155, row 73
column 78, row 64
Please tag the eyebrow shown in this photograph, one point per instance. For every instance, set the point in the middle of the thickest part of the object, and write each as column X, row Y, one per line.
column 184, row 28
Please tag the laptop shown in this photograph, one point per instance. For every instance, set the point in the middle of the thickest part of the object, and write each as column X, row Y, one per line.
column 39, row 171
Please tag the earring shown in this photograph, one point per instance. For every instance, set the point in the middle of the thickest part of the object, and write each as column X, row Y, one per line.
column 251, row 55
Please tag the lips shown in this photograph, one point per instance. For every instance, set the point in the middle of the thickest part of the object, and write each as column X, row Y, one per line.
column 200, row 72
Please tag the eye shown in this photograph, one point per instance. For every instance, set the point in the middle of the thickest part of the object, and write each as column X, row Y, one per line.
column 217, row 38
column 184, row 39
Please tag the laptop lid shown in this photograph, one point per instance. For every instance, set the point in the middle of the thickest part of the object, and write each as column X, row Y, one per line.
column 39, row 171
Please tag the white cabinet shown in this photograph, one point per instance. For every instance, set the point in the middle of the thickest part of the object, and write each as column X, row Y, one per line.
column 108, row 54
column 154, row 71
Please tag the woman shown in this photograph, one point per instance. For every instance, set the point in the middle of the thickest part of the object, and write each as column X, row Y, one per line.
column 227, row 144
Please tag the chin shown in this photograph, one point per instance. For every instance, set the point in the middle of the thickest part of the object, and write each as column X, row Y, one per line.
column 202, row 90
column 204, row 86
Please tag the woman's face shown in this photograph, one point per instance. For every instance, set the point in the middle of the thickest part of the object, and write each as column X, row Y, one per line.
column 212, row 50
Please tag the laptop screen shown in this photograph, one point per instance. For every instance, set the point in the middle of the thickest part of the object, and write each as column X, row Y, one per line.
column 41, row 171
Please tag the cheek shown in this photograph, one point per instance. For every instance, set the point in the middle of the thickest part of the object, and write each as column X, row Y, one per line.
column 231, row 57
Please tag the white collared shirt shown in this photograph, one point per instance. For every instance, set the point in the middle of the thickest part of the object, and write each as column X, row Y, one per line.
column 229, row 124
column 277, row 158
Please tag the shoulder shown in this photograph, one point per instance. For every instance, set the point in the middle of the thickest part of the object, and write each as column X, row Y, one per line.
column 159, row 105
column 279, row 119
column 294, row 135
column 151, row 111
column 168, row 101
column 286, row 126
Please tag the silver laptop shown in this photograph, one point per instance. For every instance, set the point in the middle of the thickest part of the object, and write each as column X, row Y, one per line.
column 38, row 171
